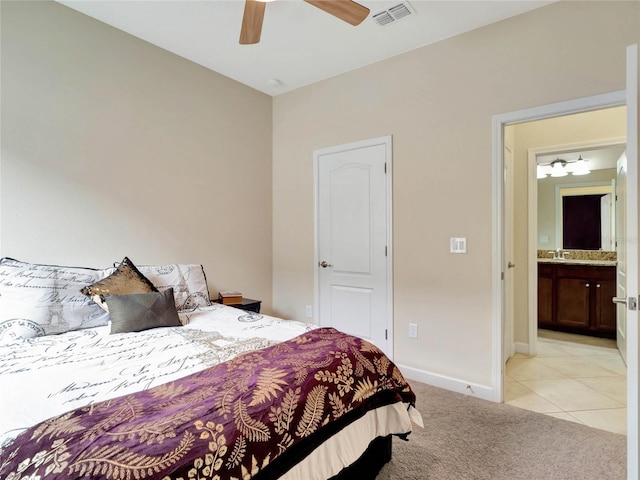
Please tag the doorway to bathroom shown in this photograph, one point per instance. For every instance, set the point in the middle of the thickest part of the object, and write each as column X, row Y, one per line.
column 542, row 223
column 561, row 324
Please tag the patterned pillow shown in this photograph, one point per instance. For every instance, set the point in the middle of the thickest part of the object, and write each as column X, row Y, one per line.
column 189, row 283
column 37, row 299
column 141, row 311
column 124, row 280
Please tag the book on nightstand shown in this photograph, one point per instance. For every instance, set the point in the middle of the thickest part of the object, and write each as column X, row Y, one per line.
column 230, row 297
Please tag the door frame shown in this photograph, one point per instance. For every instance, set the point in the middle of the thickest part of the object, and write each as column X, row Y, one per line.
column 387, row 142
column 532, row 194
column 580, row 105
column 509, row 250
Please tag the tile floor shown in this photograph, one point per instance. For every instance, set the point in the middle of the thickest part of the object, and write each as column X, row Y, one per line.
column 573, row 377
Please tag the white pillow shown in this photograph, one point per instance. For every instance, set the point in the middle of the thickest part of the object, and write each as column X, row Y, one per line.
column 38, row 299
column 17, row 329
column 189, row 283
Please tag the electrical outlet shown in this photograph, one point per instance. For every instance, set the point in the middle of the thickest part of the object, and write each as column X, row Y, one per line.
column 413, row 330
column 308, row 311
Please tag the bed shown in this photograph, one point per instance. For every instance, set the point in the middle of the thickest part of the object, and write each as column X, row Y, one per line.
column 96, row 383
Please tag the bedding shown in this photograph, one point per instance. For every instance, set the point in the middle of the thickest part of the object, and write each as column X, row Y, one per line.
column 158, row 403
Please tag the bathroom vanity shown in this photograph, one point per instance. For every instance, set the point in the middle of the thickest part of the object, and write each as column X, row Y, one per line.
column 575, row 296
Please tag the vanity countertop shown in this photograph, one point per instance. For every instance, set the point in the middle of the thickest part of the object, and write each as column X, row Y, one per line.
column 569, row 261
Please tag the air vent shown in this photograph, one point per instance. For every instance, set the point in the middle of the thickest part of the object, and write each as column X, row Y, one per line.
column 385, row 17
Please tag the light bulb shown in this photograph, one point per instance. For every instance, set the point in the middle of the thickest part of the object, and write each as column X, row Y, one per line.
column 557, row 169
column 581, row 167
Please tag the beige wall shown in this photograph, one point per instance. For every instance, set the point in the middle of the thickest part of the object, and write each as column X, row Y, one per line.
column 438, row 102
column 585, row 127
column 114, row 147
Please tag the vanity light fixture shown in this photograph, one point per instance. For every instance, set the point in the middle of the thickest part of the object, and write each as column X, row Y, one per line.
column 558, row 168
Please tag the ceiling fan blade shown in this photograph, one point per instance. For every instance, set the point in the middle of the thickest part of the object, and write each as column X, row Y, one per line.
column 252, row 22
column 347, row 10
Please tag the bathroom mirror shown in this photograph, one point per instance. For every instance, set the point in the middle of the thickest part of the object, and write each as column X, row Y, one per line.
column 585, row 217
column 577, row 213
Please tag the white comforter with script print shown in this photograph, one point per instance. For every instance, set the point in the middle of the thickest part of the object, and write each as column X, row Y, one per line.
column 46, row 376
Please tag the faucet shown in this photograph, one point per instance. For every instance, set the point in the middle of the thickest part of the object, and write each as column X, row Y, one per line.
column 558, row 254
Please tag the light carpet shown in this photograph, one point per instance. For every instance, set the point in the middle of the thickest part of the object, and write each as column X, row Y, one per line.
column 469, row 438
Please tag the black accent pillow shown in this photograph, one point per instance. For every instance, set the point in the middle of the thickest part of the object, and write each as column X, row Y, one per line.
column 141, row 311
column 125, row 280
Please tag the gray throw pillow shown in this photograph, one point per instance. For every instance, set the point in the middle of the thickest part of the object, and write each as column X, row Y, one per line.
column 141, row 311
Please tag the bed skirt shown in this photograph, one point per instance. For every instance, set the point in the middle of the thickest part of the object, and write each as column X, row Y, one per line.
column 370, row 462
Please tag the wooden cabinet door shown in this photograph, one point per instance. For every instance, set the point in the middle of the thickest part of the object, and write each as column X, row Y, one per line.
column 545, row 296
column 573, row 302
column 545, row 301
column 604, row 313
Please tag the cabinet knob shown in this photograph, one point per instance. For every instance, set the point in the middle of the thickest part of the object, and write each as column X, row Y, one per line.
column 597, row 285
column 586, row 285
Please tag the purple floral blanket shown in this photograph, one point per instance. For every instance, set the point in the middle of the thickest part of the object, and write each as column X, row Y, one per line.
column 254, row 416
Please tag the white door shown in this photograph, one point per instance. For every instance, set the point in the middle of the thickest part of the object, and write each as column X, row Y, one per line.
column 508, row 350
column 633, row 333
column 353, row 248
column 621, row 255
column 605, row 221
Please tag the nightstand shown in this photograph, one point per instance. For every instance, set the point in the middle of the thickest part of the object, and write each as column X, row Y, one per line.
column 248, row 305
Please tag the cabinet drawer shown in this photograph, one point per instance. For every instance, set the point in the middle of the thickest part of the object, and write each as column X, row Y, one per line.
column 586, row 272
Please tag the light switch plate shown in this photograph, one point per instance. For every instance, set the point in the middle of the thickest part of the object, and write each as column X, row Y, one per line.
column 458, row 245
column 413, row 330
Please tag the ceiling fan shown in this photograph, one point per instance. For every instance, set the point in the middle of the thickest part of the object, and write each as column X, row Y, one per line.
column 347, row 10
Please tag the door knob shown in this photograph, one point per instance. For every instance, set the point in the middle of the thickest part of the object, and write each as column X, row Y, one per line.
column 324, row 264
column 631, row 303
column 511, row 265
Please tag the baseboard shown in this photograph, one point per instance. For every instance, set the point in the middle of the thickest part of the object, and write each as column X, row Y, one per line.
column 448, row 383
column 522, row 348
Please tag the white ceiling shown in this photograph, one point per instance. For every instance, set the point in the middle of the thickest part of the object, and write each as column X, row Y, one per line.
column 300, row 43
